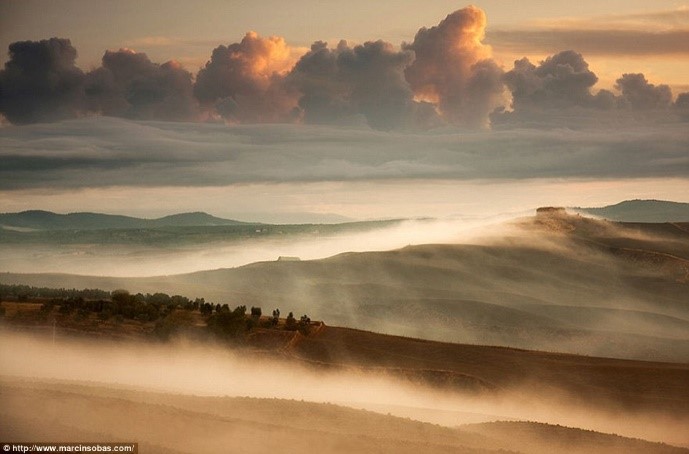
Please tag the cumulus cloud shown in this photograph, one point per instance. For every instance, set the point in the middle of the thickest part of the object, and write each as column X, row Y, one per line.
column 560, row 81
column 342, row 84
column 682, row 105
column 40, row 82
column 444, row 77
column 101, row 151
column 559, row 92
column 452, row 68
column 638, row 93
column 244, row 80
column 129, row 85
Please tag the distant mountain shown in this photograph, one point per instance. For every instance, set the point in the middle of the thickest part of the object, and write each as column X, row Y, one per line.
column 642, row 211
column 46, row 220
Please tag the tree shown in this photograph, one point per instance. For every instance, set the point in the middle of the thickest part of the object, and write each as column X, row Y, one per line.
column 229, row 325
column 291, row 322
column 121, row 297
column 305, row 324
column 206, row 309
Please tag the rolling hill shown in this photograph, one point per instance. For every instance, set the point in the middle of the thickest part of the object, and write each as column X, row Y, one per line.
column 169, row 423
column 556, row 283
column 641, row 211
column 46, row 220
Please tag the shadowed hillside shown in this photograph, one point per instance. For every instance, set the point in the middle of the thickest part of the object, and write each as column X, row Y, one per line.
column 620, row 384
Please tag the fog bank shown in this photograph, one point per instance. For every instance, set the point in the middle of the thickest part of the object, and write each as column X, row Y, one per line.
column 204, row 370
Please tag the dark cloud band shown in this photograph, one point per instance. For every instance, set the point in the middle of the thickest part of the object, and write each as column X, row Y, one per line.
column 101, row 152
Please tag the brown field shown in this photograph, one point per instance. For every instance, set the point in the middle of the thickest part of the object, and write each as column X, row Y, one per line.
column 622, row 384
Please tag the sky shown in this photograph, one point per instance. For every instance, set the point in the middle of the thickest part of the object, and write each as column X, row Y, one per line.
column 314, row 110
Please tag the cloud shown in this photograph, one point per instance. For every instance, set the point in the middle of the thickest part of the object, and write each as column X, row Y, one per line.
column 445, row 77
column 560, row 81
column 102, row 152
column 452, row 68
column 40, row 82
column 129, row 85
column 342, row 84
column 243, row 80
column 677, row 18
column 639, row 94
column 682, row 106
column 558, row 92
column 653, row 34
column 610, row 42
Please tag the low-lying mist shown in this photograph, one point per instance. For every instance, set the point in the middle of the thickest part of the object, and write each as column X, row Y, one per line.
column 185, row 368
column 140, row 260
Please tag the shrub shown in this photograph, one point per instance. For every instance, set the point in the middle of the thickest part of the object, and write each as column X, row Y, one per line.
column 290, row 322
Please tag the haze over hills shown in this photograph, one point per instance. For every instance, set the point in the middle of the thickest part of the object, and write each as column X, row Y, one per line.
column 554, row 282
column 641, row 211
column 613, row 292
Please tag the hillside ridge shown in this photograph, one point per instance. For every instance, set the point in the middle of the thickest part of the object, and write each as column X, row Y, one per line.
column 48, row 220
column 640, row 210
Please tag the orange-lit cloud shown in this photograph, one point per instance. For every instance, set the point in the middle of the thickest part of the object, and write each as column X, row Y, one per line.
column 242, row 79
column 452, row 68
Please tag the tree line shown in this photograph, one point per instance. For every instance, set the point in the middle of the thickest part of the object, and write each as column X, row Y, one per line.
column 171, row 314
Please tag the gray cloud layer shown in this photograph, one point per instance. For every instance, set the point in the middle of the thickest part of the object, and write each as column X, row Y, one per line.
column 102, row 151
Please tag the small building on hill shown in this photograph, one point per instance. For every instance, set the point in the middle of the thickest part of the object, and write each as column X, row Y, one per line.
column 551, row 211
column 284, row 258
